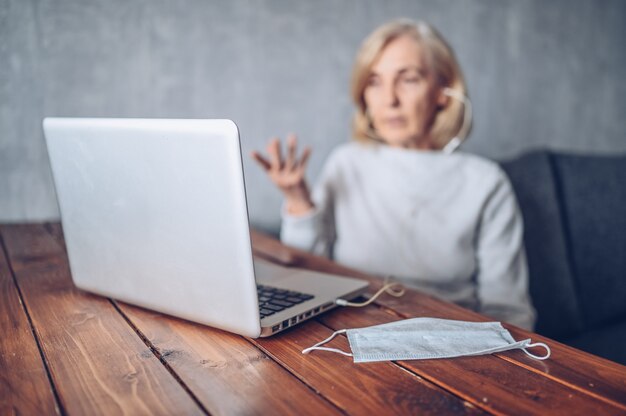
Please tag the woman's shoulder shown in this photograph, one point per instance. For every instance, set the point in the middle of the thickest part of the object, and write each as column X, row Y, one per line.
column 486, row 176
column 480, row 166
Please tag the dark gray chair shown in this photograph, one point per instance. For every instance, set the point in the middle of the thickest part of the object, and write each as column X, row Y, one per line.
column 574, row 209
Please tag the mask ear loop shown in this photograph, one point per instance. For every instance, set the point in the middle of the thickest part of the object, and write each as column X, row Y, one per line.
column 537, row 357
column 317, row 346
column 387, row 287
column 455, row 142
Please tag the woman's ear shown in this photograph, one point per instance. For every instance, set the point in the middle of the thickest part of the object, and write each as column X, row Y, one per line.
column 442, row 98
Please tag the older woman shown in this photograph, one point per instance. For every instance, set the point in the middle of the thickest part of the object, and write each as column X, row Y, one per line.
column 397, row 200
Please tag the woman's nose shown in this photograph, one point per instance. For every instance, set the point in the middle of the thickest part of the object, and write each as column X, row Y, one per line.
column 391, row 95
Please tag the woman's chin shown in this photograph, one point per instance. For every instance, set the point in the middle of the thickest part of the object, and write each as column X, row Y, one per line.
column 399, row 141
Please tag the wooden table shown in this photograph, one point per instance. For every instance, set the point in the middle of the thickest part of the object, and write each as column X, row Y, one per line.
column 65, row 351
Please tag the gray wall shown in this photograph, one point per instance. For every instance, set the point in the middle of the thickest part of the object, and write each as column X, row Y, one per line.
column 540, row 73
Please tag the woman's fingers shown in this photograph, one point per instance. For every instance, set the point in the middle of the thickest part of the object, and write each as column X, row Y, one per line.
column 265, row 164
column 275, row 162
column 273, row 148
column 292, row 143
column 305, row 158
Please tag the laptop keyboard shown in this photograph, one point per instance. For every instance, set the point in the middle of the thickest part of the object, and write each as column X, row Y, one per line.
column 272, row 300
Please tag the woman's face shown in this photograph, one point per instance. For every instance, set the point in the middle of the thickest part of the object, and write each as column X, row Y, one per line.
column 402, row 95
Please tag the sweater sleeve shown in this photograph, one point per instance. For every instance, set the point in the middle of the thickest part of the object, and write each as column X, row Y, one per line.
column 314, row 231
column 502, row 269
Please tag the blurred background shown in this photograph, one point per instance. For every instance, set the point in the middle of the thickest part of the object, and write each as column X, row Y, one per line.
column 541, row 74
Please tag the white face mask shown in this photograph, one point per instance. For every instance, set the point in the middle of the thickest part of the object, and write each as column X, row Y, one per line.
column 426, row 338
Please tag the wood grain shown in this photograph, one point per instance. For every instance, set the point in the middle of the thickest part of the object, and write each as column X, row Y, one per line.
column 272, row 250
column 592, row 375
column 378, row 388
column 493, row 384
column 224, row 371
column 570, row 382
column 97, row 362
column 24, row 384
column 229, row 375
column 589, row 374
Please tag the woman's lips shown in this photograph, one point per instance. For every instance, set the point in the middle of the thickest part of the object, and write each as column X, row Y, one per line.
column 395, row 122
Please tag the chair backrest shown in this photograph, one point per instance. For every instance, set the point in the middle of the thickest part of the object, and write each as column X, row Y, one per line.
column 575, row 236
column 593, row 194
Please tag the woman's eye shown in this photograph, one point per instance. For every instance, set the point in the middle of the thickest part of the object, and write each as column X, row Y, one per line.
column 371, row 82
column 410, row 80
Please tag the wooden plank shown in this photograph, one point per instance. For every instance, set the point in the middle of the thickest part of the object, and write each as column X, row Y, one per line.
column 376, row 388
column 596, row 376
column 493, row 384
column 225, row 372
column 592, row 375
column 272, row 250
column 56, row 230
column 24, row 384
column 229, row 375
column 97, row 362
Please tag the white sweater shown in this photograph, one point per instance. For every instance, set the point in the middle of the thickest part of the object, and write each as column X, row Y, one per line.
column 448, row 225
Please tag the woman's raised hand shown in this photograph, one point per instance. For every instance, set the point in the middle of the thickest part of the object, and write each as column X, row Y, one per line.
column 288, row 174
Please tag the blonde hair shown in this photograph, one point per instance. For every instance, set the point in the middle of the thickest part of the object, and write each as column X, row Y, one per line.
column 441, row 61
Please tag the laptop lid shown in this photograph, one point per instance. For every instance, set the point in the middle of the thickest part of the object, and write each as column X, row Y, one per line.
column 154, row 213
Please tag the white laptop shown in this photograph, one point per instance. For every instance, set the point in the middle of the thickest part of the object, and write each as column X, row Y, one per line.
column 154, row 214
